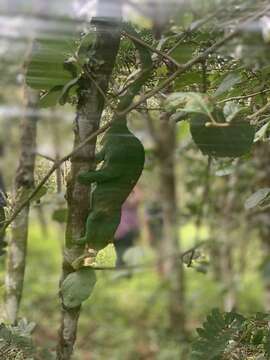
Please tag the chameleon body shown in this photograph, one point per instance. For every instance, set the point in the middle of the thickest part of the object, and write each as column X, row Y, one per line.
column 123, row 160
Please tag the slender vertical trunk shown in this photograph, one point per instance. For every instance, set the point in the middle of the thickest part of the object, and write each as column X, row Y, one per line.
column 225, row 229
column 262, row 218
column 2, row 205
column 24, row 182
column 172, row 266
column 89, row 111
column 227, row 270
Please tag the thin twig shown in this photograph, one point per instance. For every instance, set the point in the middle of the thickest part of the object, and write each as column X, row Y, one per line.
column 259, row 112
column 150, row 263
column 151, row 48
column 51, row 171
column 47, row 157
column 106, row 100
column 191, row 29
column 243, row 97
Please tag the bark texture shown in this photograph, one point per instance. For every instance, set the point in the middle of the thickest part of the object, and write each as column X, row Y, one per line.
column 262, row 218
column 24, row 183
column 172, row 267
column 224, row 232
column 89, row 111
column 3, row 203
column 226, row 249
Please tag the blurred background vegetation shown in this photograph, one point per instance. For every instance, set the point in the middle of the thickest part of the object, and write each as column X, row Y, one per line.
column 225, row 231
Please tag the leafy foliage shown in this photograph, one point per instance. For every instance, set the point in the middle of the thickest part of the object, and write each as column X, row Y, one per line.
column 47, row 70
column 217, row 132
column 227, row 336
column 15, row 341
column 230, row 141
column 57, row 65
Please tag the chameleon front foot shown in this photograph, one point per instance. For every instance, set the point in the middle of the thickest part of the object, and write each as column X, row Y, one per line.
column 86, row 259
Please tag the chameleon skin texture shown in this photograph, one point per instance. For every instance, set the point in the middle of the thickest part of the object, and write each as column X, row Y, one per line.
column 123, row 160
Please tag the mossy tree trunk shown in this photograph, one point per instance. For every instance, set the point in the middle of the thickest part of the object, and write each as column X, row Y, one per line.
column 171, row 266
column 89, row 111
column 24, row 183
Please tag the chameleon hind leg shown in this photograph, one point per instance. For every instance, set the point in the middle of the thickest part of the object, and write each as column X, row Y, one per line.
column 100, row 229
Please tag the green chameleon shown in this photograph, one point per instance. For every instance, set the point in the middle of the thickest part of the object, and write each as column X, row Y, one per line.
column 123, row 160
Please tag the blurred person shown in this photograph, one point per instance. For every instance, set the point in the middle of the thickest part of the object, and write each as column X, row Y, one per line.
column 154, row 223
column 129, row 227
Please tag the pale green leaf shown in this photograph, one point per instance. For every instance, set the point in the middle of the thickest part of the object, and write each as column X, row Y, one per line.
column 257, row 198
column 228, row 83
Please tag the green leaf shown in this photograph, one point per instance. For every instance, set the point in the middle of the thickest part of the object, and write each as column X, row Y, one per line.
column 187, row 79
column 191, row 102
column 85, row 45
column 228, row 83
column 78, row 286
column 182, row 53
column 215, row 335
column 232, row 141
column 46, row 68
column 51, row 98
column 257, row 198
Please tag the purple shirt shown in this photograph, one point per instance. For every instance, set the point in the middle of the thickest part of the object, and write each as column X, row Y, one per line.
column 129, row 220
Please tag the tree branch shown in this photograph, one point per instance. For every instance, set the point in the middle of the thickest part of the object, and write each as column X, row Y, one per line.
column 143, row 98
column 151, row 48
column 47, row 157
column 194, row 61
column 191, row 29
column 243, row 97
column 51, row 171
column 148, row 264
column 259, row 112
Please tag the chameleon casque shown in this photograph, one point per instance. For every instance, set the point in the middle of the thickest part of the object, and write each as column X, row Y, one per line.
column 123, row 161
